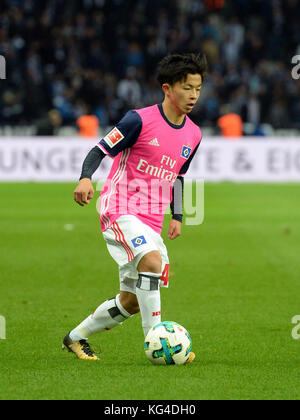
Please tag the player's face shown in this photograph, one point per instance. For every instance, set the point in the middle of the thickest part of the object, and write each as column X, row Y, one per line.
column 185, row 94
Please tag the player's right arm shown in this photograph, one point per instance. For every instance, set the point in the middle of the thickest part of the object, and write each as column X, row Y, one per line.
column 84, row 191
column 122, row 136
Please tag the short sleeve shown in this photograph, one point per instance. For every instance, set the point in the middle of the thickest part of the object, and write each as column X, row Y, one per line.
column 123, row 135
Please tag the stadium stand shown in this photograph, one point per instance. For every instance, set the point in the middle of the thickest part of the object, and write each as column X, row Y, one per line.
column 65, row 54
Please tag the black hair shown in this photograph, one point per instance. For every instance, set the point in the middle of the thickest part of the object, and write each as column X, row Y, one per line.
column 175, row 67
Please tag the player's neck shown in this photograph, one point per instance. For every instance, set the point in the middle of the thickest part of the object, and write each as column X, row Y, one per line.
column 174, row 115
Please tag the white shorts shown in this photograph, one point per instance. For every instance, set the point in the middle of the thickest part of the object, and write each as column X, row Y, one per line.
column 128, row 240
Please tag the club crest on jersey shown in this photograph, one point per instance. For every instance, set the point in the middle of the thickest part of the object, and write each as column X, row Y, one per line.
column 113, row 137
column 140, row 240
column 186, row 152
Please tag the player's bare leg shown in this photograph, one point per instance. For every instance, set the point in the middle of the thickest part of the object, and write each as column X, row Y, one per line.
column 129, row 302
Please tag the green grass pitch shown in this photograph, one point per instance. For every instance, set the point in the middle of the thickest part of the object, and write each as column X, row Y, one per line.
column 234, row 285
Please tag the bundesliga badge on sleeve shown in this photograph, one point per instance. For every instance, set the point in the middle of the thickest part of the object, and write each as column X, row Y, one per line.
column 113, row 137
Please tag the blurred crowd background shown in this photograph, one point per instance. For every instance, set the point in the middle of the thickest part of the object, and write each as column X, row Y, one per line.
column 68, row 58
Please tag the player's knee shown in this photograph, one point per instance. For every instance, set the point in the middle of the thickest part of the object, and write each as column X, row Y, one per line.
column 150, row 263
column 129, row 302
column 132, row 307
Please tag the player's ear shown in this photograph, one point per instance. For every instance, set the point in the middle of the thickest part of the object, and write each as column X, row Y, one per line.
column 166, row 88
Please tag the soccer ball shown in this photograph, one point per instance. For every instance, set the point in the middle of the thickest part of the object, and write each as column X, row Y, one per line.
column 168, row 343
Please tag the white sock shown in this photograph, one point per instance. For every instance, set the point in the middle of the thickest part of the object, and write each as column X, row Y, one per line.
column 148, row 295
column 108, row 315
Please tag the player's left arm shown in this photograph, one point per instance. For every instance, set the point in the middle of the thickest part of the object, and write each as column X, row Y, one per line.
column 177, row 200
column 176, row 209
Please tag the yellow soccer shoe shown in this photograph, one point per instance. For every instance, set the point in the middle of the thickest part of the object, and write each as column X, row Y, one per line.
column 81, row 348
column 191, row 358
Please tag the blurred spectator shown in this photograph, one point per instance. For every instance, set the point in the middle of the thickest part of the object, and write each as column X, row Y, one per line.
column 230, row 123
column 251, row 110
column 88, row 124
column 11, row 109
column 129, row 89
column 279, row 116
column 49, row 126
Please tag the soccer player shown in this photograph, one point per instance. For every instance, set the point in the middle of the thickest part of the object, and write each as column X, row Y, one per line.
column 152, row 150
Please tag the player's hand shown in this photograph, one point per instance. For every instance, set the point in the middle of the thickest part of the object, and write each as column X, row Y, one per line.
column 174, row 229
column 84, row 192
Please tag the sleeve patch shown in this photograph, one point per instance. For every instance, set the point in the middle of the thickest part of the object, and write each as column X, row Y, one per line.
column 186, row 152
column 113, row 137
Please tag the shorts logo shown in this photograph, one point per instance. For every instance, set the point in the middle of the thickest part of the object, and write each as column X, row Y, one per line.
column 140, row 240
column 186, row 152
column 113, row 137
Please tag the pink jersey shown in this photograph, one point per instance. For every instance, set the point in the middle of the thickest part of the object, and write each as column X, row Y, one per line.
column 149, row 153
